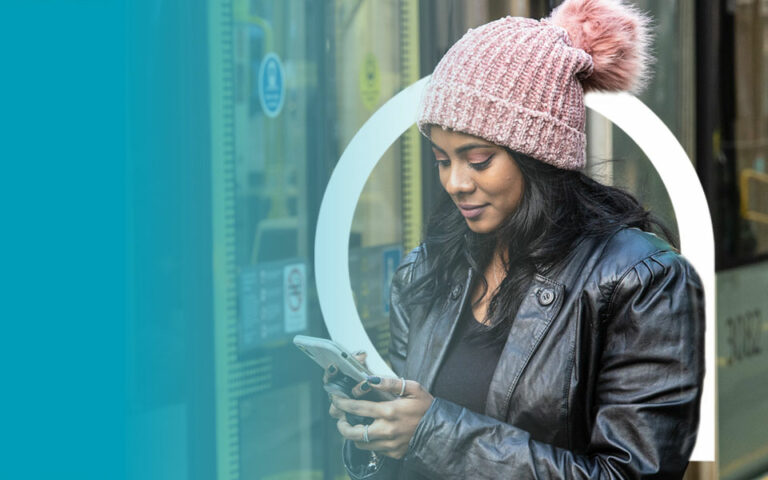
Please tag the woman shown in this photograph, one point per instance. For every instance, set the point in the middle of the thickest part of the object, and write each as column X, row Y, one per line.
column 540, row 331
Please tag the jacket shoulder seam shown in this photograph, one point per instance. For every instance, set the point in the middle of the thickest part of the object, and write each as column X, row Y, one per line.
column 624, row 275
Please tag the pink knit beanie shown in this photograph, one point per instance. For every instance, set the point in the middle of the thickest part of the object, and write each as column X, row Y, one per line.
column 520, row 82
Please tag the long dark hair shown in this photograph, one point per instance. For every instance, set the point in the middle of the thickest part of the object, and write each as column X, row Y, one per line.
column 558, row 207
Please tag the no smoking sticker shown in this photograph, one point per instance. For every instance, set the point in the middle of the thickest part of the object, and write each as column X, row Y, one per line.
column 295, row 297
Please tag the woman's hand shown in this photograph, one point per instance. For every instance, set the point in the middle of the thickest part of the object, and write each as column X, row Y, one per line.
column 395, row 421
column 331, row 372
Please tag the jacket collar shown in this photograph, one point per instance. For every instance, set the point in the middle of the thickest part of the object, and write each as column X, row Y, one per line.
column 540, row 305
column 442, row 331
column 539, row 308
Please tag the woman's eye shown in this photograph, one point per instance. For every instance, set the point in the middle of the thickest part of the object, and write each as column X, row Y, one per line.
column 482, row 165
column 439, row 162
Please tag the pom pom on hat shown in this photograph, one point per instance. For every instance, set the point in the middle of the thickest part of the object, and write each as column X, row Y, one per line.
column 615, row 35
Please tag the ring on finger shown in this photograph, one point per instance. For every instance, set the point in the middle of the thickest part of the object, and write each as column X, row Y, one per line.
column 402, row 388
column 365, row 434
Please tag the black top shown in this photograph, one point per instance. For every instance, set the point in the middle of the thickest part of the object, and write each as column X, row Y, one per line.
column 467, row 369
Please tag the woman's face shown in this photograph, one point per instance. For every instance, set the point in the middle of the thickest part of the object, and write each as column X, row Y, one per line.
column 482, row 178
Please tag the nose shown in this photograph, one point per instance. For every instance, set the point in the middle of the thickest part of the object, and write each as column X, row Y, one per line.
column 458, row 180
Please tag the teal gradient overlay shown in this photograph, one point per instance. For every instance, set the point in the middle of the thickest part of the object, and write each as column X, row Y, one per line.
column 108, row 354
column 63, row 196
column 169, row 335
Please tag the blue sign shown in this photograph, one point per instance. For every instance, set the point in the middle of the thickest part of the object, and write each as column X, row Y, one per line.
column 271, row 84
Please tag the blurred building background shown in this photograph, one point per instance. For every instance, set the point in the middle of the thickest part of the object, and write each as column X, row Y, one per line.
column 239, row 110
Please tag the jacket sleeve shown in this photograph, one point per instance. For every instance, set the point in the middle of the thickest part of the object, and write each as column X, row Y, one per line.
column 354, row 458
column 399, row 318
column 647, row 395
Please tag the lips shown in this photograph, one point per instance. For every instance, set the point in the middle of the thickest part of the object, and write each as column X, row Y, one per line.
column 471, row 211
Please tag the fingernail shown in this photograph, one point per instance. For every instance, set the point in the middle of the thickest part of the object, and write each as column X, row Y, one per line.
column 332, row 369
column 365, row 387
column 359, row 352
column 374, row 380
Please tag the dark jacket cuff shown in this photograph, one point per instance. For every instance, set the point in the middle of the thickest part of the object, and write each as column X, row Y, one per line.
column 356, row 463
column 420, row 452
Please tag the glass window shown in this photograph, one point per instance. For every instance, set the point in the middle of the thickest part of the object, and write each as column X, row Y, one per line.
column 740, row 141
column 612, row 156
column 748, row 147
column 292, row 82
column 268, row 108
column 740, row 189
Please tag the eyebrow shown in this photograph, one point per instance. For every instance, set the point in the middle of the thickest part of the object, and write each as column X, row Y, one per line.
column 464, row 148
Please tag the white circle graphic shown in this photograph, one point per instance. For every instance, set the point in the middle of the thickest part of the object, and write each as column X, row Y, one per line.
column 398, row 114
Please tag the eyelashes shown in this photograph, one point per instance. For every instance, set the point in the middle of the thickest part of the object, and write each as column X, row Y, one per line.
column 440, row 163
column 482, row 165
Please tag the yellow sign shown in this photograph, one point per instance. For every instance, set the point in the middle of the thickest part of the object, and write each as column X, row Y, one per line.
column 754, row 195
column 370, row 81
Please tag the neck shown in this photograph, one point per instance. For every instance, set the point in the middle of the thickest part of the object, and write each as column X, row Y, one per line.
column 500, row 256
column 497, row 270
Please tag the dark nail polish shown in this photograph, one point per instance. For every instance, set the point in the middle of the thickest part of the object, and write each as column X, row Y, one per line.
column 374, row 380
column 332, row 369
column 365, row 387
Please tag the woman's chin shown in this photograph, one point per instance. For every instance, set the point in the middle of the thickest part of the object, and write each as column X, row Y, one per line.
column 481, row 227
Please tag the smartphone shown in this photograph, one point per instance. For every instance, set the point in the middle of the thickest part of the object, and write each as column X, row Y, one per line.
column 351, row 372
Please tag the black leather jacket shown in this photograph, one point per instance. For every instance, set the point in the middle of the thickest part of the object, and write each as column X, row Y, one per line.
column 600, row 377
